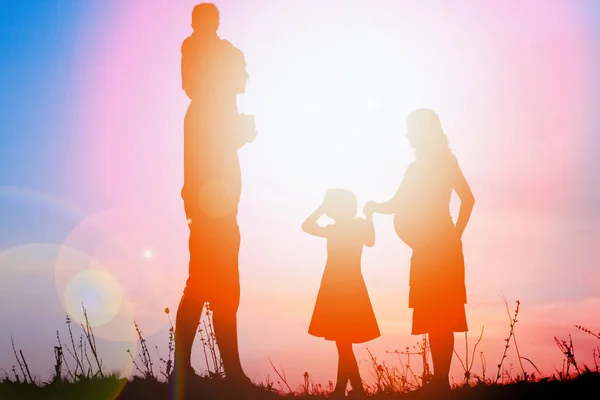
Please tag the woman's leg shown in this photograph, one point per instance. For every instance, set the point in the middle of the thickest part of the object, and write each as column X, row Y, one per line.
column 342, row 373
column 442, row 348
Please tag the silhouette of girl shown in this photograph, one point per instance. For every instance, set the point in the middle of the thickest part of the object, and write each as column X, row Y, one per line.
column 343, row 311
column 422, row 220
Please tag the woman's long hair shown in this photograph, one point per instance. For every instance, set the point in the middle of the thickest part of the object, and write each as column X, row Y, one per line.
column 428, row 137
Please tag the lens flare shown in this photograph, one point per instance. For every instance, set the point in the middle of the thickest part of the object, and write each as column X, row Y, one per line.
column 216, row 199
column 148, row 253
column 134, row 252
column 33, row 312
column 81, row 281
column 98, row 291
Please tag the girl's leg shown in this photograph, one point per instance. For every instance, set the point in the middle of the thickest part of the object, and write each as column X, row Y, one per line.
column 355, row 379
column 442, row 348
column 342, row 374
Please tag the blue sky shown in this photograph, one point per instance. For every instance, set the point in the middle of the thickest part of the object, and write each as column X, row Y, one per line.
column 37, row 83
column 39, row 44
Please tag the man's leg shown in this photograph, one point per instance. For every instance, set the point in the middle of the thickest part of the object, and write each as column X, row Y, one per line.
column 186, row 323
column 188, row 314
column 226, row 303
column 225, row 324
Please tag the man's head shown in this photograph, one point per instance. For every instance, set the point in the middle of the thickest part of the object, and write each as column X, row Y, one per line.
column 205, row 18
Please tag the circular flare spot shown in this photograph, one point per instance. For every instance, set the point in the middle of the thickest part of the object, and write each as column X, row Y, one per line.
column 140, row 250
column 216, row 199
column 148, row 254
column 98, row 292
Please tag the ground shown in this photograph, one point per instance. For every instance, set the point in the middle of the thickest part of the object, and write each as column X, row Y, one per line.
column 583, row 386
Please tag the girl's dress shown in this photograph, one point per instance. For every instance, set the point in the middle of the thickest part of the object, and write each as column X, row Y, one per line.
column 343, row 310
column 437, row 270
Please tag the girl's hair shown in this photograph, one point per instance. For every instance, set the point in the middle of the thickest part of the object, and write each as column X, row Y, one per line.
column 340, row 201
column 426, row 125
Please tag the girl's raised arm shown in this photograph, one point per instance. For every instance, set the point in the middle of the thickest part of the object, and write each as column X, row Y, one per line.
column 311, row 227
column 369, row 230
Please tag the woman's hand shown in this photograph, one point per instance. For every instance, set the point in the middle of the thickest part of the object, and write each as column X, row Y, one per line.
column 370, row 208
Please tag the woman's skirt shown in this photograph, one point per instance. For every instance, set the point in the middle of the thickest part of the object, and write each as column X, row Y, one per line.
column 437, row 286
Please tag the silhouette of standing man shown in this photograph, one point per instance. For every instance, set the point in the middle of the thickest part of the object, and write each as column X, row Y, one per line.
column 213, row 73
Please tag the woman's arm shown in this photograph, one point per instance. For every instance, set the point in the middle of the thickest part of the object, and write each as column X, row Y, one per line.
column 467, row 200
column 391, row 206
column 387, row 207
column 311, row 227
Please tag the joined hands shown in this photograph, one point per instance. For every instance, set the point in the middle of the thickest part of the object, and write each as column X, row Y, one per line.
column 370, row 208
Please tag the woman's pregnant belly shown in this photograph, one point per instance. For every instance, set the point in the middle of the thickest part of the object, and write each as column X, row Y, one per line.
column 417, row 229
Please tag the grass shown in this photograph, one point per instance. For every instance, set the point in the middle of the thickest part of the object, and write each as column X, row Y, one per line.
column 79, row 373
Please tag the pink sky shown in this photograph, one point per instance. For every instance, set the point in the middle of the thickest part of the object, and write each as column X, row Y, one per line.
column 510, row 88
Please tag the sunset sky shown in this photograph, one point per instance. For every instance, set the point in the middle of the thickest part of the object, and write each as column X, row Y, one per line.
column 91, row 168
